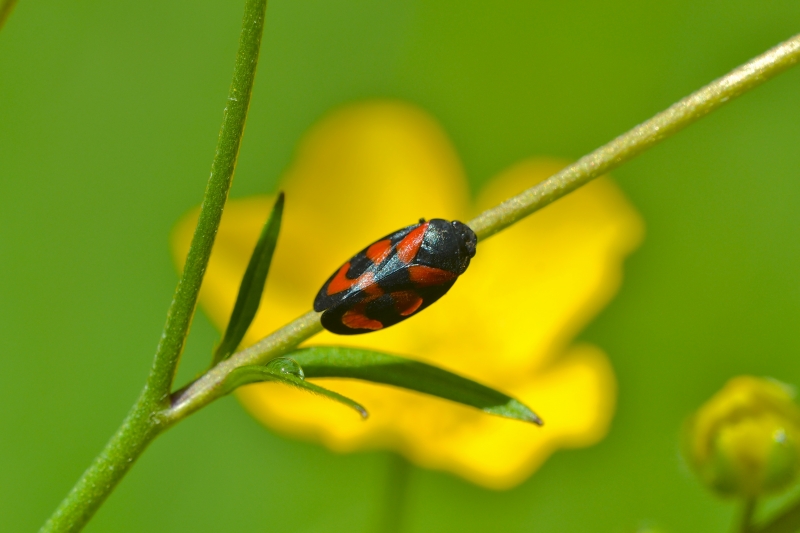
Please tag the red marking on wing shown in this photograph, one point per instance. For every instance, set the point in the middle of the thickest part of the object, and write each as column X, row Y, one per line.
column 425, row 276
column 379, row 251
column 340, row 281
column 407, row 248
column 406, row 302
column 356, row 319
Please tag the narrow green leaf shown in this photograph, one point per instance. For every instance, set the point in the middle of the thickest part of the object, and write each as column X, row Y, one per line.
column 340, row 362
column 252, row 286
column 287, row 371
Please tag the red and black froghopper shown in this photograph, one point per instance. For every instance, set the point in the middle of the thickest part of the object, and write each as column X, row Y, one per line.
column 395, row 277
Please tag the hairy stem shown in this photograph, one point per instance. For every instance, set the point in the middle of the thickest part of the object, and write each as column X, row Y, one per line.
column 145, row 420
column 208, row 387
column 629, row 145
column 179, row 316
column 106, row 470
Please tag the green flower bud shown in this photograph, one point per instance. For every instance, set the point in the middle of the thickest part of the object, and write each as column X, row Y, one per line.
column 745, row 441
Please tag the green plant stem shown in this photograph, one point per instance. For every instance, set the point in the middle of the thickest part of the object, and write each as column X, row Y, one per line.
column 179, row 317
column 209, row 386
column 6, row 7
column 627, row 146
column 395, row 495
column 107, row 469
column 746, row 517
column 145, row 420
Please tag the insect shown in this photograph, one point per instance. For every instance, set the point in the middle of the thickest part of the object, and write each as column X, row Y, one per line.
column 395, row 277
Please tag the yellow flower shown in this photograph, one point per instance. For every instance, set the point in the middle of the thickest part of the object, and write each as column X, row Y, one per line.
column 509, row 321
column 745, row 440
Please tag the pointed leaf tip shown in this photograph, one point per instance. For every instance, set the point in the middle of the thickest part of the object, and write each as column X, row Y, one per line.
column 252, row 286
column 517, row 410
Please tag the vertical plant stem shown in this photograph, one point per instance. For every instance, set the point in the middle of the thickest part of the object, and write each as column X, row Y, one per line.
column 746, row 517
column 145, row 420
column 395, row 495
column 6, row 7
column 181, row 312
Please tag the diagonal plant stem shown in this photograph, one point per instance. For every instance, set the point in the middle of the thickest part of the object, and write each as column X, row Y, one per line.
column 6, row 7
column 143, row 422
column 151, row 415
column 624, row 148
column 645, row 135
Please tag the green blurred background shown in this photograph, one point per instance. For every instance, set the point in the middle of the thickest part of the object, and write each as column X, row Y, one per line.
column 109, row 113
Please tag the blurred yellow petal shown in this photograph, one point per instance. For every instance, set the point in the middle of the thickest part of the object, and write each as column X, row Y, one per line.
column 576, row 399
column 550, row 274
column 369, row 169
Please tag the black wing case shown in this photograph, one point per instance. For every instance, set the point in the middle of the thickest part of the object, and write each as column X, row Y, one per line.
column 362, row 314
column 345, row 279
